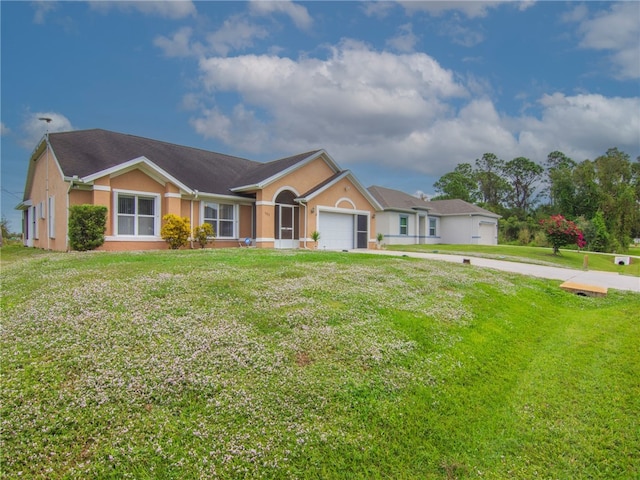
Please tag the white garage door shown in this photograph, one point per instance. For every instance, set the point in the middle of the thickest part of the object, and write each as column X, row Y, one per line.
column 336, row 231
column 487, row 234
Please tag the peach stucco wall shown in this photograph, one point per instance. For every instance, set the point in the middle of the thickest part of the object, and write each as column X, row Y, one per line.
column 49, row 183
column 342, row 195
column 346, row 196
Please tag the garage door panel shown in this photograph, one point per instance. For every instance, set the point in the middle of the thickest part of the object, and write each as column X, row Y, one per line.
column 336, row 231
column 487, row 234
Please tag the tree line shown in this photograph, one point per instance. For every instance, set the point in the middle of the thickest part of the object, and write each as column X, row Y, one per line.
column 601, row 196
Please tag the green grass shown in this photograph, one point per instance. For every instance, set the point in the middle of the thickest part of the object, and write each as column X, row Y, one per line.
column 544, row 256
column 250, row 363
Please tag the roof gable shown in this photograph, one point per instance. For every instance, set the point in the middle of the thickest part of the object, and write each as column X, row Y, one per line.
column 329, row 182
column 144, row 164
column 270, row 172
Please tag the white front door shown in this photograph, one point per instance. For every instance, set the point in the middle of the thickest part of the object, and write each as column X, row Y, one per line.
column 285, row 227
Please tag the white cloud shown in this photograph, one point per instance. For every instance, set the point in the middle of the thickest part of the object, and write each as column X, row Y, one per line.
column 34, row 128
column 576, row 14
column 174, row 9
column 582, row 126
column 379, row 9
column 465, row 36
column 298, row 14
column 179, row 44
column 356, row 96
column 405, row 41
column 456, row 15
column 470, row 8
column 396, row 110
column 4, row 130
column 41, row 10
column 236, row 33
column 616, row 30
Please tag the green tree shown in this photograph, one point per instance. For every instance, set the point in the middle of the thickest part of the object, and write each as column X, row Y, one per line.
column 524, row 175
column 587, row 197
column 635, row 183
column 614, row 175
column 461, row 183
column 4, row 230
column 560, row 185
column 493, row 187
column 596, row 234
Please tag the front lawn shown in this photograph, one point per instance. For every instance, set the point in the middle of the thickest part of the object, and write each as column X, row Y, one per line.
column 249, row 363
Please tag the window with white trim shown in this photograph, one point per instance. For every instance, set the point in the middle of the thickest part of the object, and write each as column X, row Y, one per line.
column 52, row 217
column 404, row 225
column 432, row 227
column 222, row 217
column 137, row 214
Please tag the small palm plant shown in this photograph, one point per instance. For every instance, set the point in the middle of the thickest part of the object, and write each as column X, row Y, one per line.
column 315, row 236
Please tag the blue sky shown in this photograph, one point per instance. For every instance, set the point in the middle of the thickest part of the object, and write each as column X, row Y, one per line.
column 398, row 92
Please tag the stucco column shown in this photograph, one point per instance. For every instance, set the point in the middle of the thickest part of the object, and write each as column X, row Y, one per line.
column 265, row 237
column 102, row 196
column 172, row 200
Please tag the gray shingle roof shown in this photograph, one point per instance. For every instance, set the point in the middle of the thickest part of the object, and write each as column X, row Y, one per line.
column 395, row 199
column 267, row 170
column 458, row 207
column 86, row 152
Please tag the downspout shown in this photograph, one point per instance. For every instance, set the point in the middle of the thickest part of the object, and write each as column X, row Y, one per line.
column 191, row 223
column 191, row 217
column 46, row 196
column 66, row 239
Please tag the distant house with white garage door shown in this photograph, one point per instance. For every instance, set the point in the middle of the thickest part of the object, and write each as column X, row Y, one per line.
column 408, row 220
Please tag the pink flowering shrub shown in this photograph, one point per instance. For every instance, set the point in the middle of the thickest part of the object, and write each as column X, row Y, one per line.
column 561, row 232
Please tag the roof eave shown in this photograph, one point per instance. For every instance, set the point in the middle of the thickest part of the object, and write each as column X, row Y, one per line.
column 273, row 178
column 142, row 160
column 346, row 174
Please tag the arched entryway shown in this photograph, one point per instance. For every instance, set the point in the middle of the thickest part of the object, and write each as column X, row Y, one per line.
column 287, row 220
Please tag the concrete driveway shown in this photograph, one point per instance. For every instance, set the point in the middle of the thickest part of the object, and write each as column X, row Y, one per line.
column 588, row 277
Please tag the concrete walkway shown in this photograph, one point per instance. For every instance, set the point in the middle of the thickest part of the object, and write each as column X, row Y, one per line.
column 588, row 277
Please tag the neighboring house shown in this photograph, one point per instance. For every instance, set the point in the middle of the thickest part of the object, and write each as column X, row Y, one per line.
column 410, row 220
column 276, row 204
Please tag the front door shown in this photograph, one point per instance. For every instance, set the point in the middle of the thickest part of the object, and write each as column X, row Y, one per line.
column 287, row 221
column 285, row 234
column 362, row 231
